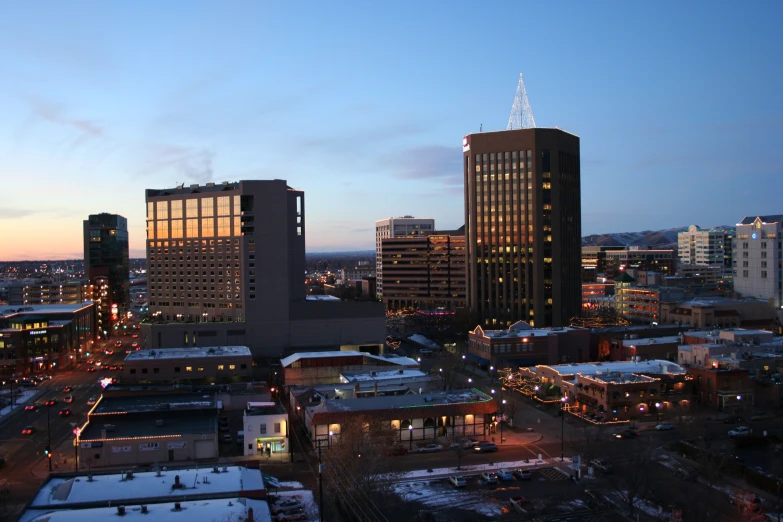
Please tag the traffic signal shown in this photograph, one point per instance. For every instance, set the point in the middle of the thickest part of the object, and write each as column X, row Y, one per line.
column 48, row 452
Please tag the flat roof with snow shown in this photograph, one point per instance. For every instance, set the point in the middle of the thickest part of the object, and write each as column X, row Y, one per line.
column 671, row 339
column 401, row 361
column 214, row 510
column 384, row 375
column 189, row 353
column 404, row 401
column 146, row 487
column 653, row 366
column 8, row 311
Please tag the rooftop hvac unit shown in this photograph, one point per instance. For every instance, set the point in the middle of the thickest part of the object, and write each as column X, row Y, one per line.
column 159, row 422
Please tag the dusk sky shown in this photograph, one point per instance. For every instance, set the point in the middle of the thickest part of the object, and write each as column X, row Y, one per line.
column 679, row 107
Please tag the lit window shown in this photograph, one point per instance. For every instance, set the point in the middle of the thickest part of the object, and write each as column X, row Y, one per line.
column 232, row 366
column 201, row 368
column 221, row 367
column 188, row 368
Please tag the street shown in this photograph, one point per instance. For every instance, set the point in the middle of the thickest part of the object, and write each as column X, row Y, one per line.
column 25, row 466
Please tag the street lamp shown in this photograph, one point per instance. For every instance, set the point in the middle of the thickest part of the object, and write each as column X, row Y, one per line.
column 463, row 363
column 562, row 427
column 657, row 413
column 49, row 437
column 410, row 437
column 502, row 407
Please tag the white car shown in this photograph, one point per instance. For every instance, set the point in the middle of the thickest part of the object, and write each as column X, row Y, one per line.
column 505, row 474
column 739, row 431
column 430, row 448
column 490, row 477
column 664, row 426
column 458, row 482
column 285, row 506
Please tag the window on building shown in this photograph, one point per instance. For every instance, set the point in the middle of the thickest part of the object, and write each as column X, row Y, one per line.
column 744, row 273
column 277, row 427
column 221, row 367
column 188, row 368
column 133, row 371
column 763, row 274
column 176, row 369
column 262, row 429
column 144, row 370
column 201, row 368
column 232, row 366
column 243, row 366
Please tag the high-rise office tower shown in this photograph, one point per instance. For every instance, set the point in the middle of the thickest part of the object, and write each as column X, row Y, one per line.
column 224, row 252
column 523, row 226
column 406, row 226
column 106, row 266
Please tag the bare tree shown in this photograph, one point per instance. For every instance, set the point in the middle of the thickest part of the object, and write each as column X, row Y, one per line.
column 448, row 371
column 356, row 474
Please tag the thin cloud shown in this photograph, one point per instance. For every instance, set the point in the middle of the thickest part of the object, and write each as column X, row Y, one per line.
column 15, row 213
column 194, row 163
column 430, row 162
column 55, row 114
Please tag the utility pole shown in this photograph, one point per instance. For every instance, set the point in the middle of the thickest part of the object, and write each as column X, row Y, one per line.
column 49, row 436
column 562, row 428
column 320, row 482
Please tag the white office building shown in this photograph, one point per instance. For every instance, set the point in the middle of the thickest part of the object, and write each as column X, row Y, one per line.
column 759, row 258
column 406, row 226
column 703, row 247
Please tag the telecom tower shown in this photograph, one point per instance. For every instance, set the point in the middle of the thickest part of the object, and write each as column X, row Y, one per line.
column 521, row 114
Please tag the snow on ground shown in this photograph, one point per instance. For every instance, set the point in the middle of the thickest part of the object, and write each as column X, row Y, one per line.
column 62, row 492
column 440, row 495
column 20, row 399
column 311, row 508
column 479, row 468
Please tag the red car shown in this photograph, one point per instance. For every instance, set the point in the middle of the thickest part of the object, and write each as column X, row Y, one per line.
column 67, row 389
column 28, row 430
column 66, row 412
column 399, row 450
column 91, row 369
column 31, row 407
column 51, row 402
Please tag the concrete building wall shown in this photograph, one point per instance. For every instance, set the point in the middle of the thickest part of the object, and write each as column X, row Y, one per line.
column 147, row 450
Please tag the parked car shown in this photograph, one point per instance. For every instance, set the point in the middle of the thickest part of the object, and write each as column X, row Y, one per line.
column 505, row 474
column 67, row 389
column 31, row 407
column 66, row 412
column 91, row 369
column 430, row 448
column 739, row 431
column 458, row 481
column 664, row 426
column 45, row 377
column 625, row 434
column 51, row 402
column 117, row 344
column 284, row 506
column 135, row 336
column 522, row 474
column 396, row 452
column 68, row 398
column 461, row 444
column 601, row 465
column 485, row 447
column 297, row 514
column 28, row 430
column 134, row 344
column 90, row 401
column 490, row 477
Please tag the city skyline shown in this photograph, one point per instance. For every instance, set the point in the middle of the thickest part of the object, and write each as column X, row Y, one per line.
column 678, row 117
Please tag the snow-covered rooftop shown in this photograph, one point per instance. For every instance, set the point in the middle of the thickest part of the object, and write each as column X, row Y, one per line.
column 322, row 298
column 382, row 375
column 146, row 486
column 652, row 340
column 185, row 353
column 658, row 366
column 403, row 401
column 7, row 311
column 214, row 510
column 288, row 361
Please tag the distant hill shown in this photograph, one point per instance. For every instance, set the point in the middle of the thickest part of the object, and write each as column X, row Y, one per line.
column 649, row 238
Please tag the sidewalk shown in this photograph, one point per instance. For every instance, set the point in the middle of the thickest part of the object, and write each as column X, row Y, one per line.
column 20, row 399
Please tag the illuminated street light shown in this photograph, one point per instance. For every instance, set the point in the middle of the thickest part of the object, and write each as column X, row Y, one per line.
column 562, row 427
column 410, row 437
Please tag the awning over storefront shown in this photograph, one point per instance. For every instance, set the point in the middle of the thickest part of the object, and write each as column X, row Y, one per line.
column 472, row 357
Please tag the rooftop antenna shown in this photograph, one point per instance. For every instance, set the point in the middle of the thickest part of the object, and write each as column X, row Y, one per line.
column 481, row 127
column 521, row 114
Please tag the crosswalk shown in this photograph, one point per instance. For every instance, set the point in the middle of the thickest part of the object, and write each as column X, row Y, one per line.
column 552, row 474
